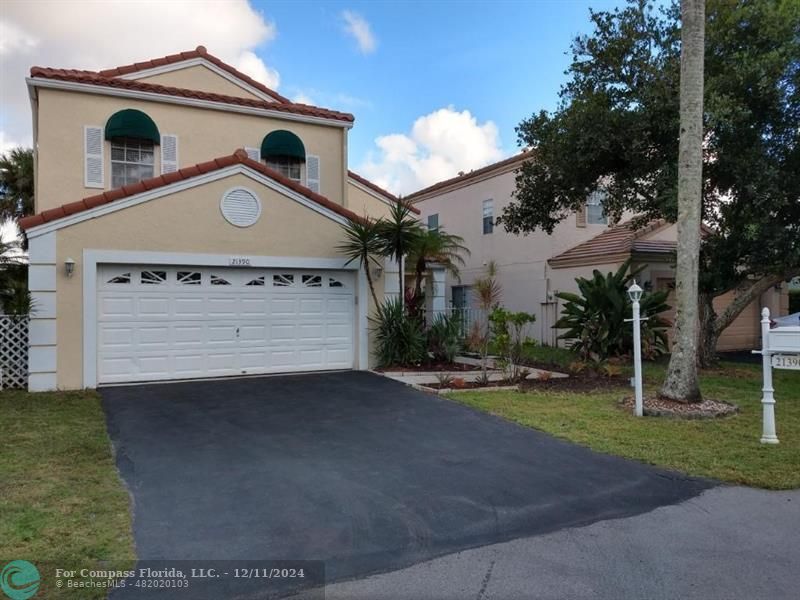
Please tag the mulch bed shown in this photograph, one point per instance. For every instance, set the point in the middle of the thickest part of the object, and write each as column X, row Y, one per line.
column 430, row 368
column 660, row 407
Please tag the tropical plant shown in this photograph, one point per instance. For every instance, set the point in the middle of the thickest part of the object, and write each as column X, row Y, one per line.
column 508, row 337
column 444, row 337
column 488, row 292
column 595, row 320
column 439, row 247
column 399, row 338
column 16, row 184
column 15, row 299
column 362, row 243
column 398, row 233
column 445, row 380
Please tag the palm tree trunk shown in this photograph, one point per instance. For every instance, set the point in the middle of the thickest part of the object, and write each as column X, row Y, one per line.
column 681, row 382
column 371, row 286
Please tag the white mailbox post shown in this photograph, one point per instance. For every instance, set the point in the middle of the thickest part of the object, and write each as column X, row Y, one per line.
column 780, row 348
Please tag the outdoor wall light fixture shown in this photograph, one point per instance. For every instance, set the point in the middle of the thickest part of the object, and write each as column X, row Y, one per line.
column 69, row 267
column 377, row 272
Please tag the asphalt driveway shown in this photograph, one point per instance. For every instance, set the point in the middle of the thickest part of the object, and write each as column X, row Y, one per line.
column 354, row 469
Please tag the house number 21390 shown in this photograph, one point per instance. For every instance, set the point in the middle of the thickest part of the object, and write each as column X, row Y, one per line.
column 239, row 261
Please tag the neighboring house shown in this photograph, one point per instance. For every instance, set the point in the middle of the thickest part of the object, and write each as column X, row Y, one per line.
column 533, row 268
column 186, row 225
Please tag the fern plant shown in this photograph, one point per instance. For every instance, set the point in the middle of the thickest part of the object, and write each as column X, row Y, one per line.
column 594, row 320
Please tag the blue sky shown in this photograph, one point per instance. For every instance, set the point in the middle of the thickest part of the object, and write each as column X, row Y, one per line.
column 501, row 61
column 436, row 87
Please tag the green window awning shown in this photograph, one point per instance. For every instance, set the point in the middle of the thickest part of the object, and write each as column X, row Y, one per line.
column 283, row 143
column 132, row 123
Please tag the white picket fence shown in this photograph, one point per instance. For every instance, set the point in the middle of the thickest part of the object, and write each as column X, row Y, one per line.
column 13, row 352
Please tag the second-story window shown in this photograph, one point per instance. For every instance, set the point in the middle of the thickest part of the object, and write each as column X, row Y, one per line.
column 284, row 152
column 595, row 213
column 287, row 166
column 433, row 222
column 132, row 161
column 488, row 216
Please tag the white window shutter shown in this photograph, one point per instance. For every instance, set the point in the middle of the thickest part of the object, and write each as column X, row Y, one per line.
column 312, row 172
column 580, row 217
column 253, row 153
column 169, row 153
column 93, row 175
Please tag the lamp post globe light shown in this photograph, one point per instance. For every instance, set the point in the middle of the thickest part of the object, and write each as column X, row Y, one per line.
column 635, row 294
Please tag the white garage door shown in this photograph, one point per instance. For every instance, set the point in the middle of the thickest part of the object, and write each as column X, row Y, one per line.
column 157, row 323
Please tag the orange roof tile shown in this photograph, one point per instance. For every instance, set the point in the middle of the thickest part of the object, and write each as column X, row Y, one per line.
column 616, row 242
column 199, row 52
column 92, row 78
column 238, row 157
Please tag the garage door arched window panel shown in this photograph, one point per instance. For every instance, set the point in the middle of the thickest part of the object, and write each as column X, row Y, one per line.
column 133, row 137
column 334, row 283
column 257, row 282
column 284, row 152
column 312, row 280
column 122, row 278
column 217, row 280
column 283, row 280
column 153, row 277
column 241, row 207
column 190, row 278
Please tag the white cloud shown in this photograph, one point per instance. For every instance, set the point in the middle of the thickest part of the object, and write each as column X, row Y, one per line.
column 439, row 145
column 358, row 27
column 302, row 98
column 97, row 35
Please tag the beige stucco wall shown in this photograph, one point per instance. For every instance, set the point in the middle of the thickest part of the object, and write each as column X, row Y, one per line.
column 186, row 221
column 362, row 203
column 522, row 260
column 199, row 77
column 202, row 135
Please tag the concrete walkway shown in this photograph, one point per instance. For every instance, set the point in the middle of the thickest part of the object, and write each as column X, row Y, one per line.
column 730, row 543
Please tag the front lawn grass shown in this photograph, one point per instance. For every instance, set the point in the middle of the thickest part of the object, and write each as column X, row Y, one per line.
column 61, row 499
column 727, row 449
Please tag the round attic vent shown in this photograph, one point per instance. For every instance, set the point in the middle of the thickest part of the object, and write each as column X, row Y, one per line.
column 240, row 207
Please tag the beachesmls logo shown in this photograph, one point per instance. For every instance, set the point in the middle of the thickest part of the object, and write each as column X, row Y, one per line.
column 19, row 580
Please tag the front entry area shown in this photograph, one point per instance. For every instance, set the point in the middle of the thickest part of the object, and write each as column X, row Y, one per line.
column 180, row 322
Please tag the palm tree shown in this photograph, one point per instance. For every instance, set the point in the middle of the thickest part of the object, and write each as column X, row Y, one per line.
column 398, row 233
column 15, row 299
column 16, row 184
column 362, row 243
column 440, row 247
column 681, row 381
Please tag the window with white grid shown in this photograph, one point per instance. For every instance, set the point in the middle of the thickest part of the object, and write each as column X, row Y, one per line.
column 131, row 161
column 595, row 214
column 287, row 166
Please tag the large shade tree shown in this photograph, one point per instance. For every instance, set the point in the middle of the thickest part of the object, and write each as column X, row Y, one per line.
column 618, row 124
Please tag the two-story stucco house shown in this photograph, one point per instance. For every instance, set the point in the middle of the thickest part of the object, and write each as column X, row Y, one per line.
column 533, row 268
column 186, row 225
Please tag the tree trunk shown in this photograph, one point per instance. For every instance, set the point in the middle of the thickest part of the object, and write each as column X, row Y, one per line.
column 709, row 334
column 712, row 325
column 681, row 382
column 371, row 285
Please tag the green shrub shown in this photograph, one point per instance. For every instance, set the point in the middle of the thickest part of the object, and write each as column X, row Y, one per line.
column 399, row 338
column 595, row 319
column 508, row 339
column 444, row 337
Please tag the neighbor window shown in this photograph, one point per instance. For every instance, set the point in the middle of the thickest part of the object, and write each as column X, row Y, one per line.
column 433, row 222
column 287, row 166
column 595, row 215
column 488, row 216
column 131, row 161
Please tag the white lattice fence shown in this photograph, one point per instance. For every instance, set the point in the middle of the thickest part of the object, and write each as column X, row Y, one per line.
column 13, row 352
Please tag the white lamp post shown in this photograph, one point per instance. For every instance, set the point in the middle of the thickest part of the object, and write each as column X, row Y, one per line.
column 635, row 294
column 768, row 433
